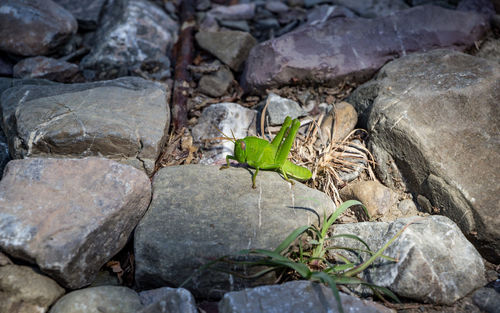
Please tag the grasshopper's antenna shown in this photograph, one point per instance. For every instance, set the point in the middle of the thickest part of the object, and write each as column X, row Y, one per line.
column 226, row 137
column 234, row 137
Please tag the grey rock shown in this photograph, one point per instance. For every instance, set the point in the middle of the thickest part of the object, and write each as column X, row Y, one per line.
column 276, row 6
column 294, row 297
column 166, row 300
column 24, row 290
column 267, row 23
column 105, row 278
column 4, row 152
column 229, row 118
column 86, row 12
column 124, row 119
column 436, row 262
column 487, row 299
column 311, row 3
column 203, row 5
column 217, row 84
column 439, row 142
column 199, row 213
column 379, row 200
column 46, row 68
column 109, row 299
column 373, row 8
column 425, row 204
column 407, row 207
column 231, row 47
column 341, row 49
column 490, row 49
column 81, row 215
column 208, row 23
column 133, row 38
column 34, row 27
column 6, row 83
column 243, row 11
column 279, row 108
column 241, row 25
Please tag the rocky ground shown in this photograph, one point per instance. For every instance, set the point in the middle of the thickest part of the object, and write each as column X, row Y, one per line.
column 111, row 195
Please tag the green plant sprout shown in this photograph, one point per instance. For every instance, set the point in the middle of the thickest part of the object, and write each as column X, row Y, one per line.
column 311, row 264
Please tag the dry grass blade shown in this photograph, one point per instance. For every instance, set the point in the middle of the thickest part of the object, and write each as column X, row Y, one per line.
column 325, row 162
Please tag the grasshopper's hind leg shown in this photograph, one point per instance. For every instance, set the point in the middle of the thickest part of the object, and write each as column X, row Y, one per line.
column 228, row 157
column 254, row 176
column 286, row 177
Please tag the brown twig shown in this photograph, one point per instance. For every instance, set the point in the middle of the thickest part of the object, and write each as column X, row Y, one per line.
column 183, row 51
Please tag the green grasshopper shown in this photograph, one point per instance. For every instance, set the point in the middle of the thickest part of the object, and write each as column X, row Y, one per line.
column 260, row 154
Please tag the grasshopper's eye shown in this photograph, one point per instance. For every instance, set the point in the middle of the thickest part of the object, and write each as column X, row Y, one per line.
column 242, row 145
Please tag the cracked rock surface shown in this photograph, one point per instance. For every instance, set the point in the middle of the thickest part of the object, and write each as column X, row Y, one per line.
column 438, row 125
column 69, row 216
column 182, row 230
column 125, row 119
column 428, row 247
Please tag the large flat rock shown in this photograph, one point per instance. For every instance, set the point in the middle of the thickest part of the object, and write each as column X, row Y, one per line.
column 434, row 120
column 126, row 119
column 70, row 216
column 355, row 48
column 199, row 212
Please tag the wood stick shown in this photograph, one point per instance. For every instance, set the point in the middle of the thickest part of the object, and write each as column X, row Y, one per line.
column 183, row 54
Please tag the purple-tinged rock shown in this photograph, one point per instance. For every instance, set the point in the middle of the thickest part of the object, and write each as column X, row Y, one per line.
column 355, row 48
column 47, row 68
column 323, row 13
column 70, row 216
column 372, row 8
column 479, row 6
column 86, row 12
column 34, row 27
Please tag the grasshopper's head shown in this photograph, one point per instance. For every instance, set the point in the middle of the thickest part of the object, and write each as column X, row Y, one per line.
column 240, row 150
